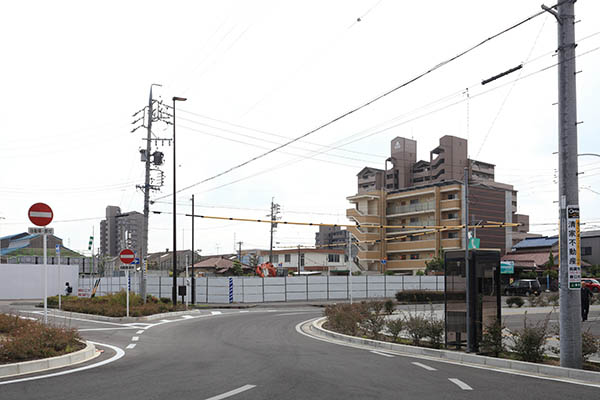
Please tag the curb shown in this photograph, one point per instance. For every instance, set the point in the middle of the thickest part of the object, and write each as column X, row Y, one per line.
column 28, row 367
column 463, row 358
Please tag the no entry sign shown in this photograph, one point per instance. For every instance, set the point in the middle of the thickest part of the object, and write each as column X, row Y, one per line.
column 40, row 214
column 126, row 256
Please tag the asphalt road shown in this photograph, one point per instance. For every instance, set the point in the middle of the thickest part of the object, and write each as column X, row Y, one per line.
column 259, row 354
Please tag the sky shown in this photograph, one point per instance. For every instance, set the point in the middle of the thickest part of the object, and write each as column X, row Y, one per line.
column 257, row 74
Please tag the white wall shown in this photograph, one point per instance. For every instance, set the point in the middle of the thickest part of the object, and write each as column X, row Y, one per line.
column 26, row 281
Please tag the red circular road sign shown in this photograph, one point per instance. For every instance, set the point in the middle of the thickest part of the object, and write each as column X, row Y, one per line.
column 126, row 256
column 40, row 214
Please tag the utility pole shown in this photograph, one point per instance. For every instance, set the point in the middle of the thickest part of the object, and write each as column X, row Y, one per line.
column 193, row 251
column 470, row 298
column 240, row 251
column 275, row 208
column 298, row 260
column 568, row 187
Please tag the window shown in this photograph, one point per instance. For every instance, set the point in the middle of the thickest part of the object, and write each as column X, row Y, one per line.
column 414, row 256
column 452, row 235
column 302, row 260
column 403, row 257
column 345, row 257
column 451, row 216
column 414, row 220
column 414, row 201
column 452, row 196
column 586, row 251
column 414, row 238
column 275, row 258
column 288, row 258
column 333, row 257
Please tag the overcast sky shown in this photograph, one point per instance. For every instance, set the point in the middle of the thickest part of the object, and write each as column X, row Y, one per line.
column 257, row 73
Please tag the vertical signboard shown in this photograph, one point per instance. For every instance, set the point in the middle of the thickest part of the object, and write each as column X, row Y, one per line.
column 573, row 247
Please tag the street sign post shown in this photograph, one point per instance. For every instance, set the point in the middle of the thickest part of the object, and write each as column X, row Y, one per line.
column 57, row 250
column 41, row 214
column 127, row 257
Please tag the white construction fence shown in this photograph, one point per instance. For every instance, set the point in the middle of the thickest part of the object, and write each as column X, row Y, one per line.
column 259, row 290
column 26, row 281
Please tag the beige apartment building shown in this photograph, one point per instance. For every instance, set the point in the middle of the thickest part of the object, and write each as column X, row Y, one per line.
column 416, row 196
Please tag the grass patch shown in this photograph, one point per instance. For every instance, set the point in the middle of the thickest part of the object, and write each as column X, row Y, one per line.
column 25, row 340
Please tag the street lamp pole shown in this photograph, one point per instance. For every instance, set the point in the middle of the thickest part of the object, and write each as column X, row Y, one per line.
column 175, row 99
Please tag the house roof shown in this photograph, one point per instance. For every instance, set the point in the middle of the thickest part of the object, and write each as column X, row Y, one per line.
column 590, row 233
column 217, row 262
column 536, row 242
column 369, row 169
column 529, row 259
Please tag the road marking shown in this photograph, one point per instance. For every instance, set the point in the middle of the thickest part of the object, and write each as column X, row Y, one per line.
column 165, row 320
column 139, row 332
column 427, row 367
column 187, row 316
column 119, row 353
column 232, row 392
column 460, row 384
column 244, row 311
column 135, row 338
column 104, row 329
column 130, row 346
column 215, row 312
column 381, row 354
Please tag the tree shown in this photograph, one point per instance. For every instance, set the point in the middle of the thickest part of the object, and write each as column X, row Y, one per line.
column 237, row 270
column 550, row 262
column 436, row 264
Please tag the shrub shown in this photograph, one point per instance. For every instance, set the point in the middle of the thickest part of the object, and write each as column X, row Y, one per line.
column 416, row 326
column 491, row 340
column 434, row 330
column 395, row 327
column 389, row 306
column 553, row 299
column 345, row 318
column 419, row 296
column 29, row 340
column 529, row 342
column 516, row 300
column 373, row 322
column 590, row 344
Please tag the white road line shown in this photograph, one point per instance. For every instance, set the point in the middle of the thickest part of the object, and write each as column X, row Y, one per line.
column 232, row 392
column 216, row 312
column 299, row 312
column 165, row 320
column 130, row 346
column 381, row 354
column 135, row 338
column 119, row 353
column 105, row 329
column 460, row 384
column 139, row 332
column 244, row 311
column 427, row 367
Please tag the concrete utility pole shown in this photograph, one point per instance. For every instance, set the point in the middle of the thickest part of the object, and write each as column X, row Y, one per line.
column 274, row 214
column 240, row 251
column 470, row 299
column 193, row 252
column 568, row 186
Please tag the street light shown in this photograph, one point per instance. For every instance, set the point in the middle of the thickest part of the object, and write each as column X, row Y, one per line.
column 175, row 99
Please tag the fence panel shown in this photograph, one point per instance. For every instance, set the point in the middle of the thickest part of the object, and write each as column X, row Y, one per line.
column 338, row 287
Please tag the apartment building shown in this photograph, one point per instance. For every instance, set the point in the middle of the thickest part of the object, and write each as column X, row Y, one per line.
column 414, row 196
column 120, row 230
column 332, row 237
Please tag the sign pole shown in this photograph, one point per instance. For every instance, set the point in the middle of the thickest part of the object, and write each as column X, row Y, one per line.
column 127, row 293
column 59, row 275
column 45, row 279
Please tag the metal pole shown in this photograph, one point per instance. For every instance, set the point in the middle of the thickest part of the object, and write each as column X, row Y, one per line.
column 127, row 290
column 45, row 237
column 271, row 247
column 187, row 296
column 470, row 342
column 59, row 278
column 570, row 300
column 193, row 251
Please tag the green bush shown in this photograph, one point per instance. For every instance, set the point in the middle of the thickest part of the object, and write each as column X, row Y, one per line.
column 516, row 300
column 395, row 327
column 491, row 340
column 29, row 340
column 434, row 330
column 419, row 296
column 529, row 343
column 389, row 306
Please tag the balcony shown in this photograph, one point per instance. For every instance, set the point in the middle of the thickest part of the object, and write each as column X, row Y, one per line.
column 428, row 206
column 360, row 218
column 415, row 246
column 369, row 255
column 363, row 235
column 406, row 264
column 451, row 243
column 454, row 204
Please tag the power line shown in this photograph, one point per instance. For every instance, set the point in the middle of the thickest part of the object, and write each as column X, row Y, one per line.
column 368, row 103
